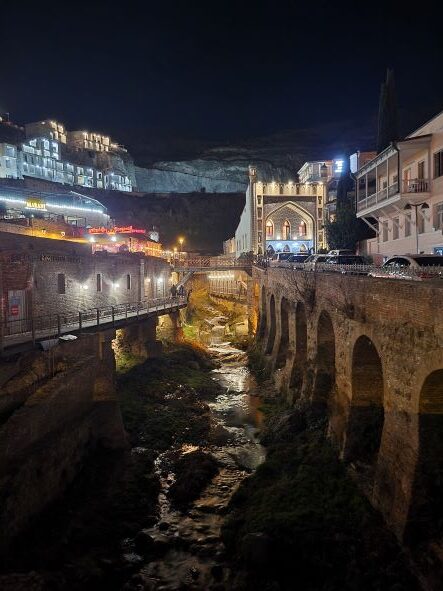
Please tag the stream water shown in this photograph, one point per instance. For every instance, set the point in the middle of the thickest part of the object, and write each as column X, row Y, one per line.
column 194, row 558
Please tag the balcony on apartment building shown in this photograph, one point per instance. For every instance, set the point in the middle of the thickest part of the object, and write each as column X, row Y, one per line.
column 396, row 177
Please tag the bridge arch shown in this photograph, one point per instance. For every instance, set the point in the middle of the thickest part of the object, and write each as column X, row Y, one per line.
column 284, row 334
column 301, row 348
column 325, row 359
column 426, row 513
column 366, row 414
column 263, row 319
column 272, row 326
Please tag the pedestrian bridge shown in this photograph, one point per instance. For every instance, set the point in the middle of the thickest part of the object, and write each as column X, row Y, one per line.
column 207, row 264
column 17, row 335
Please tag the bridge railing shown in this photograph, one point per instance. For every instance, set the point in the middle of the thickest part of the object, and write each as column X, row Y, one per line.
column 211, row 262
column 36, row 327
column 400, row 272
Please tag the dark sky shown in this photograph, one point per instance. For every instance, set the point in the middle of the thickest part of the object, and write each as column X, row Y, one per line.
column 216, row 69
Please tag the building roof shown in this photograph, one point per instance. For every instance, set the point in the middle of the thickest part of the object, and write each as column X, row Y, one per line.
column 70, row 199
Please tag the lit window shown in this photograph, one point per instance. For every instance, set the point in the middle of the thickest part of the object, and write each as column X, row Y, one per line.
column 286, row 230
column 302, row 228
column 269, row 229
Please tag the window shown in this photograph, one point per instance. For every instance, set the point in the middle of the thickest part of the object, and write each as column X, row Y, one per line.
column 420, row 222
column 259, row 212
column 302, row 228
column 395, row 223
column 99, row 281
column 320, row 212
column 407, row 224
column 438, row 216
column 128, row 281
column 286, row 230
column 269, row 229
column 319, row 200
column 385, row 231
column 421, row 170
column 61, row 283
column 438, row 164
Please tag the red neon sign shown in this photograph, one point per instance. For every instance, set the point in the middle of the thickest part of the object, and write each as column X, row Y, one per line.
column 117, row 230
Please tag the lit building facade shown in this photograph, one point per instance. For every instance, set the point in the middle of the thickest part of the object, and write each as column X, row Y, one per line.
column 281, row 217
column 125, row 239
column 400, row 194
column 84, row 159
column 8, row 161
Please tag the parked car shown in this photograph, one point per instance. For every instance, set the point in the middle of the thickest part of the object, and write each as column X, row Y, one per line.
column 296, row 260
column 414, row 267
column 312, row 262
column 340, row 251
column 278, row 258
column 349, row 264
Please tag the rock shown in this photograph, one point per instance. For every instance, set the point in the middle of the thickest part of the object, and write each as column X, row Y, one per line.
column 217, row 572
column 143, row 542
column 256, row 549
column 163, row 525
column 284, row 427
column 193, row 472
column 161, row 545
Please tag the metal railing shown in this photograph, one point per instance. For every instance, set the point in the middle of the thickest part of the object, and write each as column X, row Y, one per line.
column 55, row 325
column 415, row 186
column 411, row 273
column 378, row 197
column 211, row 262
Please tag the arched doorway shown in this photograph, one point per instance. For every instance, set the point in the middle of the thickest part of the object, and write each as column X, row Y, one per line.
column 366, row 416
column 325, row 375
column 272, row 327
column 426, row 513
column 301, row 348
column 284, row 338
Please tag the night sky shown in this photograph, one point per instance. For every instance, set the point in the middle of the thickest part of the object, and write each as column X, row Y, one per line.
column 216, row 70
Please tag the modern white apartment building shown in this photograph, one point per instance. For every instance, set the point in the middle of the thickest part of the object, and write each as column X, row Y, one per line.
column 8, row 161
column 400, row 194
column 52, row 154
column 281, row 216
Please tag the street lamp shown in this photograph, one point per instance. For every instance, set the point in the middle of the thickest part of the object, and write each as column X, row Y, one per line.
column 408, row 207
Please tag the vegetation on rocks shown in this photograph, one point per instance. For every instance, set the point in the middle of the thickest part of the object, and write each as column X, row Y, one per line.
column 159, row 402
column 301, row 518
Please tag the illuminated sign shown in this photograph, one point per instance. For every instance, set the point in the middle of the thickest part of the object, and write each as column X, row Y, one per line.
column 338, row 166
column 35, row 203
column 117, row 230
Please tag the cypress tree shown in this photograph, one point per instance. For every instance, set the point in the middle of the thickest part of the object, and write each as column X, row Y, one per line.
column 387, row 113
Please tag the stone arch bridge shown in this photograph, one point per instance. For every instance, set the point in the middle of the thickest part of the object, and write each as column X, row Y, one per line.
column 369, row 352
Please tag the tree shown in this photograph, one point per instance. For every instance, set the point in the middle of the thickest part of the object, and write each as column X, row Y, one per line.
column 387, row 113
column 346, row 230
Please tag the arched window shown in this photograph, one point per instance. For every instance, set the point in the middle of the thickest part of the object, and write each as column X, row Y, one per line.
column 269, row 229
column 286, row 230
column 302, row 228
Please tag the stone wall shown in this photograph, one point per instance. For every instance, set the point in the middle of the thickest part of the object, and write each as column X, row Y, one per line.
column 33, row 265
column 364, row 348
column 56, row 407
